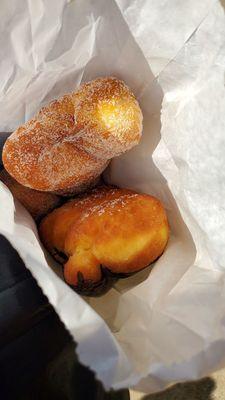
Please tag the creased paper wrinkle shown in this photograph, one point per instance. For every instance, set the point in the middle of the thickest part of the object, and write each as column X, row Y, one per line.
column 166, row 323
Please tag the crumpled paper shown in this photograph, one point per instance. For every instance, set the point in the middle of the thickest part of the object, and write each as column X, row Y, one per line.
column 166, row 323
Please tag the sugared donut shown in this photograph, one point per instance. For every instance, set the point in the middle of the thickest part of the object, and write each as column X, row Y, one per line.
column 54, row 227
column 109, row 116
column 113, row 229
column 68, row 144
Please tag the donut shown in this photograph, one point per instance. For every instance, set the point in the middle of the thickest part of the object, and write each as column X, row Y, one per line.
column 109, row 232
column 37, row 203
column 54, row 227
column 70, row 142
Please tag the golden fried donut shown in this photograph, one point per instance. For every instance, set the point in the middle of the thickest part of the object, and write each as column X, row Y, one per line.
column 54, row 227
column 37, row 203
column 68, row 144
column 110, row 229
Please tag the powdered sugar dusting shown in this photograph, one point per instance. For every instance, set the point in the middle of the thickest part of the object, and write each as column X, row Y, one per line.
column 108, row 107
column 68, row 143
column 110, row 206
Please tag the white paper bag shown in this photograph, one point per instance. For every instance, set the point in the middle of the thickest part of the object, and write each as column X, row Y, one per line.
column 164, row 324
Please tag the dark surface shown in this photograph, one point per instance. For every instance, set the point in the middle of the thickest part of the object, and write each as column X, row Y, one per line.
column 21, row 300
column 199, row 390
column 31, row 333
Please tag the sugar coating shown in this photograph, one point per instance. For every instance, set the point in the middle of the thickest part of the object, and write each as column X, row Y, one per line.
column 110, row 205
column 69, row 143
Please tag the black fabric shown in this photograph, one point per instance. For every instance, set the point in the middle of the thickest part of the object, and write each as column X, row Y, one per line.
column 20, row 297
column 31, row 333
